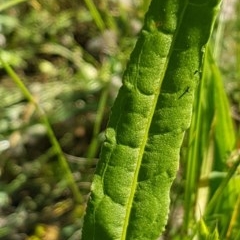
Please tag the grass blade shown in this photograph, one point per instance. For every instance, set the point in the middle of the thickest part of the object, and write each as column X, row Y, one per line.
column 211, row 140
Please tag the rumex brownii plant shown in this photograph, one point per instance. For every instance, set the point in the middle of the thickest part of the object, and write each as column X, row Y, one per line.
column 140, row 156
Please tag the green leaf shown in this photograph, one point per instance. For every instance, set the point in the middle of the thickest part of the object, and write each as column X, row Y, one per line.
column 139, row 159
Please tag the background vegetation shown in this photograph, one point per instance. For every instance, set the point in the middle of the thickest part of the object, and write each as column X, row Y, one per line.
column 71, row 59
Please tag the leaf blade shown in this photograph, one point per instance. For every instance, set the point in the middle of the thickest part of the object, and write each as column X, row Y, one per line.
column 130, row 191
